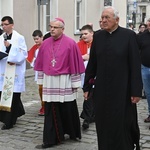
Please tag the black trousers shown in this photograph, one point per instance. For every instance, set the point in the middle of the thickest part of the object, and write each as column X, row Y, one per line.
column 88, row 113
column 17, row 110
column 61, row 119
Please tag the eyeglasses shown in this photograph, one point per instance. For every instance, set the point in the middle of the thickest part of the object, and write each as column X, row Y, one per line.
column 5, row 24
column 54, row 27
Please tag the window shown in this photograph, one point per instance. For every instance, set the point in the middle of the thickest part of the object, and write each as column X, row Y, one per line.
column 78, row 18
column 48, row 15
column 50, row 12
column 107, row 2
column 78, row 14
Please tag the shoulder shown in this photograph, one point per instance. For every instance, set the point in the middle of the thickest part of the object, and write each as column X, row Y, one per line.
column 34, row 47
column 98, row 31
column 68, row 40
column 80, row 42
column 47, row 40
column 144, row 34
column 127, row 31
column 46, row 44
column 18, row 34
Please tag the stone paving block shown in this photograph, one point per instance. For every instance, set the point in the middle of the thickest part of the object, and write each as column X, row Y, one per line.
column 86, row 140
column 29, row 135
column 28, row 131
column 146, row 138
column 4, row 139
column 85, row 136
column 142, row 141
column 5, row 148
column 31, row 127
column 40, row 130
column 89, row 132
column 19, row 128
column 146, row 145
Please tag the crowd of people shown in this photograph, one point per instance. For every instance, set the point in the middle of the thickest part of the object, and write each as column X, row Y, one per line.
column 111, row 65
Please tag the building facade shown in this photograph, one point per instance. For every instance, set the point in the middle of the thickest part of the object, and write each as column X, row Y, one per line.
column 143, row 9
column 138, row 11
column 30, row 15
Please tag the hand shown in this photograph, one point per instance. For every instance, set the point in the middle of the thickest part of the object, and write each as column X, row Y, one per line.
column 6, row 43
column 85, row 57
column 135, row 99
column 85, row 95
column 10, row 63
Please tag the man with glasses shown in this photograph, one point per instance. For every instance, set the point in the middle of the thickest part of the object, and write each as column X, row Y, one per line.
column 12, row 72
column 59, row 64
column 142, row 28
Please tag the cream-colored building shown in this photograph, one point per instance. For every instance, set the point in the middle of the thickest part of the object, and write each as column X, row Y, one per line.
column 30, row 15
column 143, row 9
column 139, row 9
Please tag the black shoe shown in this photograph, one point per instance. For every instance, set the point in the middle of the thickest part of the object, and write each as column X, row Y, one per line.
column 5, row 127
column 147, row 120
column 143, row 97
column 85, row 124
column 44, row 146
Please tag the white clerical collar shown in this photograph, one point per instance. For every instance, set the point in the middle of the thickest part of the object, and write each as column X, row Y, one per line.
column 113, row 30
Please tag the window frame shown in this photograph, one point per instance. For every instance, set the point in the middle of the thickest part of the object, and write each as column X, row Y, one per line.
column 78, row 16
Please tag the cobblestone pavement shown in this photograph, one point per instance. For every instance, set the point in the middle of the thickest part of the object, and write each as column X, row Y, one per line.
column 27, row 133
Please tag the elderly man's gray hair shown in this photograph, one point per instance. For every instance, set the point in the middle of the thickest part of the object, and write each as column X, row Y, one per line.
column 116, row 12
column 148, row 19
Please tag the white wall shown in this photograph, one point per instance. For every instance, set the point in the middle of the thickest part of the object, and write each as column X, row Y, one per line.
column 6, row 8
column 25, row 18
column 121, row 6
column 94, row 13
column 148, row 12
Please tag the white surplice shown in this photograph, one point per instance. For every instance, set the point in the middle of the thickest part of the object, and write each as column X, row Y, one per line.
column 17, row 55
column 12, row 76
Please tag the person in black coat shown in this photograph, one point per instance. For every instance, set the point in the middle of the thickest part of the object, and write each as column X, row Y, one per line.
column 115, row 62
column 144, row 45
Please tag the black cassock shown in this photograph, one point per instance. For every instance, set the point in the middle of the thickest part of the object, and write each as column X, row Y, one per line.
column 115, row 62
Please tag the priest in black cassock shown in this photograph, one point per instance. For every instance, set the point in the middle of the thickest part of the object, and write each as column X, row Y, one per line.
column 115, row 62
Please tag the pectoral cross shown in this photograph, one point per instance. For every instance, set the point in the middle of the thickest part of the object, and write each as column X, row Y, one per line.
column 53, row 62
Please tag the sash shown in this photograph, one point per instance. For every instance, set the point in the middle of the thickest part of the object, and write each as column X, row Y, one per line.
column 8, row 86
column 31, row 53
